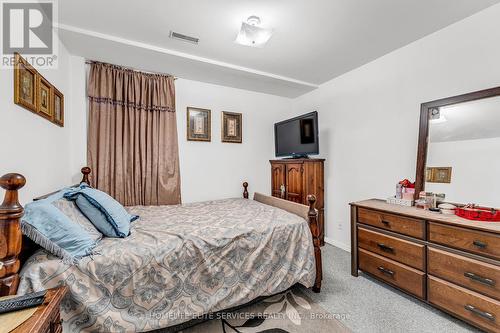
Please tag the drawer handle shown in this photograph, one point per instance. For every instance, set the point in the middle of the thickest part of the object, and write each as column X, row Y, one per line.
column 386, row 223
column 480, row 244
column 480, row 313
column 385, row 248
column 385, row 271
column 480, row 279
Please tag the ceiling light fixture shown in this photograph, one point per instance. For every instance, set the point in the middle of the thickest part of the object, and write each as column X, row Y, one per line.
column 251, row 34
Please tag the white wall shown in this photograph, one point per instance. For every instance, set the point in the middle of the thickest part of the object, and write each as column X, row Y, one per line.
column 31, row 145
column 369, row 116
column 475, row 177
column 213, row 170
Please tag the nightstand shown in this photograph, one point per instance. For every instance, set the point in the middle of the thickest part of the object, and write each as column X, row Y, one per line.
column 46, row 319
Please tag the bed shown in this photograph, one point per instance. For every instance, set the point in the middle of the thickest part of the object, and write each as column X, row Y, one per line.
column 179, row 262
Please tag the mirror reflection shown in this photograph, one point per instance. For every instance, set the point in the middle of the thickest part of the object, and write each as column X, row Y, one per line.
column 463, row 155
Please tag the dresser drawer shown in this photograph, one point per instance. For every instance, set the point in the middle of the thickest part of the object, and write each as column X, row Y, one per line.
column 392, row 272
column 478, row 242
column 469, row 305
column 470, row 273
column 403, row 225
column 409, row 253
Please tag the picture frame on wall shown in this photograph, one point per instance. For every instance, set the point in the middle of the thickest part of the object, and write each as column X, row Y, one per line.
column 25, row 84
column 231, row 127
column 58, row 106
column 44, row 98
column 439, row 175
column 199, row 124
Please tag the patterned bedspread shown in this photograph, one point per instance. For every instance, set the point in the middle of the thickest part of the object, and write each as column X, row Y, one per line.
column 179, row 262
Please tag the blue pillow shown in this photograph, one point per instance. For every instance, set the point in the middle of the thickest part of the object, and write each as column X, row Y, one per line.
column 105, row 213
column 48, row 227
column 98, row 219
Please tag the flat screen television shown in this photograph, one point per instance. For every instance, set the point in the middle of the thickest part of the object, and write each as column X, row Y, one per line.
column 297, row 137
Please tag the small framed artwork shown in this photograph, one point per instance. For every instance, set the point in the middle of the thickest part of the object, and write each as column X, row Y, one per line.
column 199, row 124
column 43, row 98
column 25, row 84
column 428, row 174
column 439, row 175
column 231, row 127
column 58, row 106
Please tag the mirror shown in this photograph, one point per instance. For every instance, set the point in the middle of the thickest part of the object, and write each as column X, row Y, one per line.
column 462, row 148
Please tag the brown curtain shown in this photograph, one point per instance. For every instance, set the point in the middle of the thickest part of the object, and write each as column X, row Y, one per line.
column 132, row 137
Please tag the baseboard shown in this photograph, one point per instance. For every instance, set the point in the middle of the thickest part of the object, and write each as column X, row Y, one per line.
column 338, row 244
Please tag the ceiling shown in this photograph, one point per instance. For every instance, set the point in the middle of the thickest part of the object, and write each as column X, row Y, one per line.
column 313, row 42
column 468, row 121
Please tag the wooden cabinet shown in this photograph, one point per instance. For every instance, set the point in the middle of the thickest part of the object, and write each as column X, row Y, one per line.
column 278, row 180
column 294, row 188
column 295, row 179
column 445, row 261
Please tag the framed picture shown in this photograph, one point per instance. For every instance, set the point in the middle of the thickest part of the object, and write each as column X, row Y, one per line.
column 25, row 84
column 44, row 102
column 231, row 127
column 439, row 175
column 428, row 174
column 58, row 106
column 199, row 124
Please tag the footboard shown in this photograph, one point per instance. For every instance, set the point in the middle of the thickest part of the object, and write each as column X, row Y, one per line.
column 308, row 213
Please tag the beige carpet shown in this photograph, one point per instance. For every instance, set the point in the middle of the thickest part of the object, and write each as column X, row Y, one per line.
column 291, row 311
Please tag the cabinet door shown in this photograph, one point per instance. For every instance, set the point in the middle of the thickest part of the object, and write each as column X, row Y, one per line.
column 277, row 180
column 294, row 182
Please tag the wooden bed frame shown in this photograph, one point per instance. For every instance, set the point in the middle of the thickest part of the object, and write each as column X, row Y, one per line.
column 15, row 249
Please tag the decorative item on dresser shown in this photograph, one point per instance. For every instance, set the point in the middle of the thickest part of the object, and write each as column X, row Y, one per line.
column 47, row 317
column 294, row 179
column 444, row 260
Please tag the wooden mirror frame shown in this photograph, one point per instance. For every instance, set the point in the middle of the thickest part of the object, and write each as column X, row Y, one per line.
column 423, row 136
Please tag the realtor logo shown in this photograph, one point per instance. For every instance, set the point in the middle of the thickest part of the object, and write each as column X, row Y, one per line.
column 27, row 28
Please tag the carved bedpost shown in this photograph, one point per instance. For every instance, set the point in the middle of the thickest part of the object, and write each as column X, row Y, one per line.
column 313, row 224
column 11, row 212
column 85, row 179
column 245, row 190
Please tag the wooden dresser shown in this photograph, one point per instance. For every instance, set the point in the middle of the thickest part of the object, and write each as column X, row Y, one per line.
column 295, row 179
column 444, row 260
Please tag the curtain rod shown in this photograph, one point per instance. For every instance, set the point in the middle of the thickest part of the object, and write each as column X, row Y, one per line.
column 88, row 62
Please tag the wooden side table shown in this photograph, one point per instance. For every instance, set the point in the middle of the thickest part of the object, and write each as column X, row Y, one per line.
column 47, row 318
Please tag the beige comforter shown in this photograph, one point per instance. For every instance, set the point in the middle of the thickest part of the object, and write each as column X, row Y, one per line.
column 179, row 262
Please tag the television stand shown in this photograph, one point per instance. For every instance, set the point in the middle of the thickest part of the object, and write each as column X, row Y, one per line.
column 295, row 179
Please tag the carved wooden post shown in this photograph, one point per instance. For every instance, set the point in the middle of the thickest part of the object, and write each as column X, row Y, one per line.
column 313, row 225
column 85, row 179
column 245, row 190
column 11, row 212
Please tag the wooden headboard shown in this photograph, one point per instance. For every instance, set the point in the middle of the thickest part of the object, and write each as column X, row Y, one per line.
column 15, row 249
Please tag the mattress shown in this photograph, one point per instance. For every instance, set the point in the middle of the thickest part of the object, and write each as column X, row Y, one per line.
column 179, row 262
